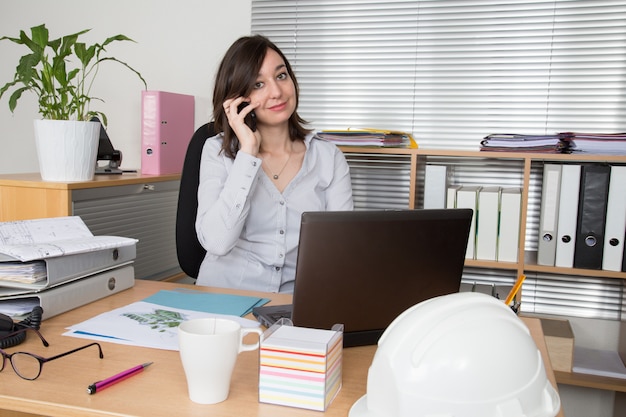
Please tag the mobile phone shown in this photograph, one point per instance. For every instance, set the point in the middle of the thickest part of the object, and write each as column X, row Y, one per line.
column 250, row 118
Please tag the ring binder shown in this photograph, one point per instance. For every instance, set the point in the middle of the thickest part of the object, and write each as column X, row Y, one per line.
column 594, row 187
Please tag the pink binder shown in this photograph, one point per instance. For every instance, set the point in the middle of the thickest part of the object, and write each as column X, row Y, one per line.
column 167, row 124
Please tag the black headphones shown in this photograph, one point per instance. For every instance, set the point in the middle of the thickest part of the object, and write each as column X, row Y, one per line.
column 8, row 326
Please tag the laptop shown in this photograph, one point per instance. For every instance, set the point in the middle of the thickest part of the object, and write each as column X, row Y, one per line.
column 363, row 268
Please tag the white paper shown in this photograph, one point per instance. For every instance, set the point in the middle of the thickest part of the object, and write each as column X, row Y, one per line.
column 598, row 362
column 142, row 324
column 43, row 230
column 29, row 240
column 23, row 272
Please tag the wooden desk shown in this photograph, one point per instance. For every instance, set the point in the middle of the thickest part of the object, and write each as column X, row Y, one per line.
column 161, row 390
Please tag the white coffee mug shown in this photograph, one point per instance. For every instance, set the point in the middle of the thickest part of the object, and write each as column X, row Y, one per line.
column 208, row 351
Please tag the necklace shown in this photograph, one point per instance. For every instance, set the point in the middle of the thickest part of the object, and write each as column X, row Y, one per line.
column 276, row 176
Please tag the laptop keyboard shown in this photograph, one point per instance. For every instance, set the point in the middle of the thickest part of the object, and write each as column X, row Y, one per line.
column 280, row 315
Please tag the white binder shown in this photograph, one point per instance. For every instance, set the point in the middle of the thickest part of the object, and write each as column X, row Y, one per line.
column 548, row 217
column 69, row 250
column 510, row 220
column 568, row 215
column 451, row 196
column 435, row 182
column 74, row 294
column 467, row 197
column 615, row 226
column 487, row 223
column 66, row 268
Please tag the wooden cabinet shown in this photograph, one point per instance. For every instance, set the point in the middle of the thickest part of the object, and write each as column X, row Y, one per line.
column 132, row 205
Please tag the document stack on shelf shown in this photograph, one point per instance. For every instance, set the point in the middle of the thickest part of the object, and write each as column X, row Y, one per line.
column 598, row 143
column 369, row 137
column 58, row 264
column 504, row 142
column 582, row 219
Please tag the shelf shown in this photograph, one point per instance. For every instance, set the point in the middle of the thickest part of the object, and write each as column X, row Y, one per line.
column 477, row 263
column 378, row 150
column 590, row 381
column 531, row 156
column 600, row 273
column 524, row 165
column 531, row 265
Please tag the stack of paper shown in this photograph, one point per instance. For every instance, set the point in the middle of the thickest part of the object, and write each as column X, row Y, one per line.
column 598, row 362
column 23, row 272
column 369, row 137
column 599, row 143
column 504, row 142
column 300, row 367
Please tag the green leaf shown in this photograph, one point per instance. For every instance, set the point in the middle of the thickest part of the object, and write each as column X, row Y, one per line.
column 72, row 74
column 67, row 42
column 40, row 36
column 7, row 86
column 15, row 96
column 54, row 45
column 26, row 67
column 15, row 40
column 116, row 38
column 84, row 54
column 145, row 84
column 99, row 115
column 24, row 39
column 58, row 70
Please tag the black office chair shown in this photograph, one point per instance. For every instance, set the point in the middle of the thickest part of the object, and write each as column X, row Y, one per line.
column 188, row 249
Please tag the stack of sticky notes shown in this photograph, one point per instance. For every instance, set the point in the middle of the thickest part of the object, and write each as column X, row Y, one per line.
column 300, row 367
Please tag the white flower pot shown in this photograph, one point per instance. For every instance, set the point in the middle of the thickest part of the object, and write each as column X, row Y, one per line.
column 67, row 149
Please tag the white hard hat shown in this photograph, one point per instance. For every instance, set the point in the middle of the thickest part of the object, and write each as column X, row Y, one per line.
column 457, row 355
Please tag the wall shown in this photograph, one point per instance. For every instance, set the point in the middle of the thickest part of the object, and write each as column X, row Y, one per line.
column 179, row 45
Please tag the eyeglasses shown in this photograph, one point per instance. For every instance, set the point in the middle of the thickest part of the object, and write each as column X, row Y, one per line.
column 28, row 365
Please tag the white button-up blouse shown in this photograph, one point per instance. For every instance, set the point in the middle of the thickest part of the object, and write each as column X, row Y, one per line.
column 249, row 229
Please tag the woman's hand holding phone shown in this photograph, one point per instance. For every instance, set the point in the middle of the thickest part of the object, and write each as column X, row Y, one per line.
column 250, row 118
column 242, row 120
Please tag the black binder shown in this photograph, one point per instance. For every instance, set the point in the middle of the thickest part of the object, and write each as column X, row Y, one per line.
column 624, row 257
column 594, row 188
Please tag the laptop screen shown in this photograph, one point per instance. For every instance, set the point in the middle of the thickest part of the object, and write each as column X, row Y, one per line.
column 364, row 268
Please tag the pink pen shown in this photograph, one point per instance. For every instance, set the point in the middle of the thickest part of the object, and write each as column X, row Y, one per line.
column 100, row 385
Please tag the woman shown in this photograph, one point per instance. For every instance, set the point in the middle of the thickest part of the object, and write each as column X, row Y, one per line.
column 256, row 182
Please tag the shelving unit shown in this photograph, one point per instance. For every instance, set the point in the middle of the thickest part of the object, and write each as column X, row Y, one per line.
column 524, row 170
column 529, row 166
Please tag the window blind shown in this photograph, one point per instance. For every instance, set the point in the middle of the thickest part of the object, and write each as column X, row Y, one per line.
column 452, row 72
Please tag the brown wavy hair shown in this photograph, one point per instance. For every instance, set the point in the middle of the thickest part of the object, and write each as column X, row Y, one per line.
column 236, row 77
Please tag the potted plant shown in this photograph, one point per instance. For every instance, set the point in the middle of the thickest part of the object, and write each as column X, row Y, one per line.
column 61, row 72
